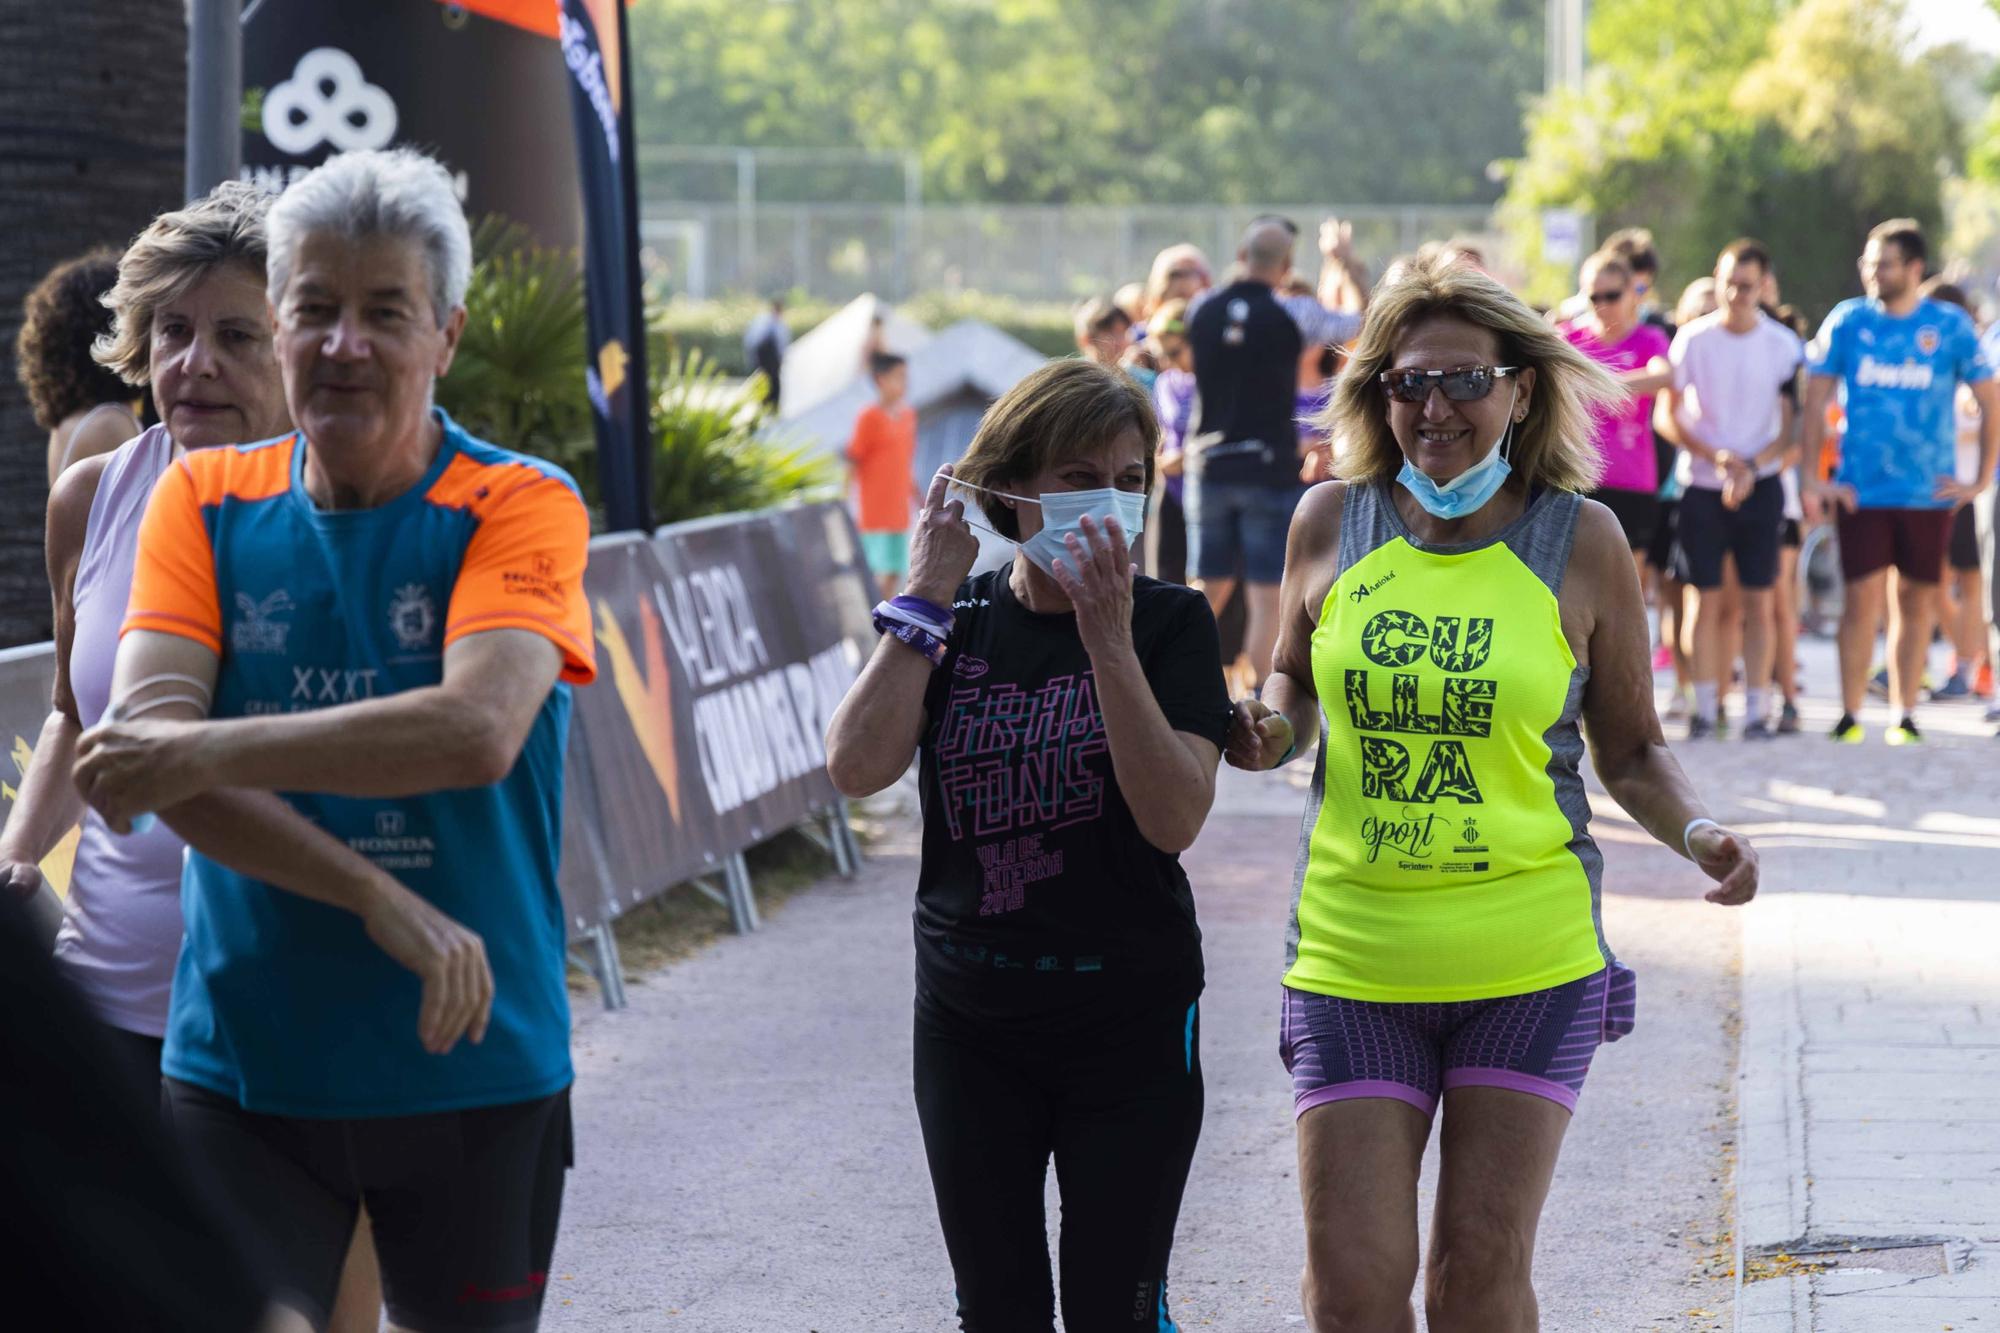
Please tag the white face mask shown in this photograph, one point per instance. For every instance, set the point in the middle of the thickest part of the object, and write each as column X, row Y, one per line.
column 1062, row 514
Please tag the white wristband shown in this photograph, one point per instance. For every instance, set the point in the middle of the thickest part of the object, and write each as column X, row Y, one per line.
column 1687, row 833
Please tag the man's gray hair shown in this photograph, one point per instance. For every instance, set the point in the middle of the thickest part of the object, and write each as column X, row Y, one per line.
column 399, row 192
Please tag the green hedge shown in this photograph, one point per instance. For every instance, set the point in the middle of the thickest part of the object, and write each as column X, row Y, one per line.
column 715, row 328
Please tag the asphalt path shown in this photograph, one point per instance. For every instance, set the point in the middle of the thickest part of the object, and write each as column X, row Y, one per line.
column 748, row 1155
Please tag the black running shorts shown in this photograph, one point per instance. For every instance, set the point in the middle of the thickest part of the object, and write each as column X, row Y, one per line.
column 464, row 1204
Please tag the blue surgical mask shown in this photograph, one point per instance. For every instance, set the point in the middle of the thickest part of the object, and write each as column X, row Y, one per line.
column 1469, row 491
column 1062, row 514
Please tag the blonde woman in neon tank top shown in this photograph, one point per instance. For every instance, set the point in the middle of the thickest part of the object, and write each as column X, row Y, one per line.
column 1464, row 621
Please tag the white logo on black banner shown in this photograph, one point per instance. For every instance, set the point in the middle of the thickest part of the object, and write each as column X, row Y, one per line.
column 328, row 101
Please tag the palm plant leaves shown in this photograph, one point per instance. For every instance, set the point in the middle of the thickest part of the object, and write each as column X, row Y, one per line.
column 518, row 380
column 710, row 452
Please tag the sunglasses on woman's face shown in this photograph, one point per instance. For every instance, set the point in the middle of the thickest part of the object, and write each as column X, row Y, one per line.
column 1607, row 298
column 1467, row 385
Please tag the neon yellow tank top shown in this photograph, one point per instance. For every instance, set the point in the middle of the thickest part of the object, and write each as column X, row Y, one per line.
column 1445, row 853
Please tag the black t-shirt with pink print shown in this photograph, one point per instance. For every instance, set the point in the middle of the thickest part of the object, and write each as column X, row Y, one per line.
column 1037, row 892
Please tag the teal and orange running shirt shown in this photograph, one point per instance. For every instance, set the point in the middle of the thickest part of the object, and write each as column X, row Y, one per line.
column 282, row 1003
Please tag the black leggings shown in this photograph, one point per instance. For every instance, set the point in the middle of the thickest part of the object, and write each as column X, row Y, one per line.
column 1116, row 1097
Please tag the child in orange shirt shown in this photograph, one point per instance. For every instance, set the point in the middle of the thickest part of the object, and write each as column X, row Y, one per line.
column 884, row 445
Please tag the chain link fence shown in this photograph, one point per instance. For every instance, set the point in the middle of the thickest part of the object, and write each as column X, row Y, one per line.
column 837, row 251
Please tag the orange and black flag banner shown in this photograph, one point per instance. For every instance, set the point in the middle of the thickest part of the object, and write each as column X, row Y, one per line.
column 595, row 48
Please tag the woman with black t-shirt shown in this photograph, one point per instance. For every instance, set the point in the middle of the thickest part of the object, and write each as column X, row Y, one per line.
column 1068, row 716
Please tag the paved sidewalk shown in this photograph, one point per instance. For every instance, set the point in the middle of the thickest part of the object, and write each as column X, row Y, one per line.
column 749, row 1162
column 1868, row 1185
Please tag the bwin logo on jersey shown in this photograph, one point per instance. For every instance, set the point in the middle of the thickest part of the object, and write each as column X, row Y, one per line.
column 412, row 618
column 257, row 631
column 1873, row 374
column 327, row 101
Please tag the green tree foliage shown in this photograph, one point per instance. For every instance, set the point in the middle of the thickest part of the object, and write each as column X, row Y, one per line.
column 1803, row 124
column 1106, row 101
column 518, row 381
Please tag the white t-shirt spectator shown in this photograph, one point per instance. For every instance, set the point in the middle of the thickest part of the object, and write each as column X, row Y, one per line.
column 1730, row 385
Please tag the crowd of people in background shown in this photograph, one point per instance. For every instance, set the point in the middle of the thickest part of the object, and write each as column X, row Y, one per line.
column 222, row 898
column 1743, row 433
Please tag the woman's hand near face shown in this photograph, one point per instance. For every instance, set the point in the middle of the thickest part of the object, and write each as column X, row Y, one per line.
column 1098, row 582
column 943, row 549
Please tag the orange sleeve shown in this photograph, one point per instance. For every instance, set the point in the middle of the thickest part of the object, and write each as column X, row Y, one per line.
column 866, row 437
column 173, row 582
column 524, row 570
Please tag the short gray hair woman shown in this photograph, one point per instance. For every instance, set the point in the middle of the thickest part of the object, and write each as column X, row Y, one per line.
column 1468, row 621
column 189, row 287
column 189, row 319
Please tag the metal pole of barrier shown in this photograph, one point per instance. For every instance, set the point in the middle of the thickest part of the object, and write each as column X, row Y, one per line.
column 846, row 852
column 610, row 978
column 742, row 902
column 610, row 974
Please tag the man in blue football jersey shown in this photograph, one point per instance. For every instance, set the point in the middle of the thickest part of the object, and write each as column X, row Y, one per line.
column 353, row 647
column 1897, row 360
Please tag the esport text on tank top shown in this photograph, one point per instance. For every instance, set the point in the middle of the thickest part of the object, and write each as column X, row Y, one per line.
column 121, row 930
column 1444, row 854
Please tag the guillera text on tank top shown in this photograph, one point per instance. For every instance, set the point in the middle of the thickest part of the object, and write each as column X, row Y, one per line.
column 1013, row 766
column 1410, row 755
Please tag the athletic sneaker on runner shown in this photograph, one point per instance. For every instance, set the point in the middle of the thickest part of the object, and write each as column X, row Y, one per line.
column 1732, row 416
column 1897, row 361
column 1068, row 717
column 1466, row 621
column 382, row 615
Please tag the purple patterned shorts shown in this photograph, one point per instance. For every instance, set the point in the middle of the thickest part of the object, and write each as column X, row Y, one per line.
column 1539, row 1043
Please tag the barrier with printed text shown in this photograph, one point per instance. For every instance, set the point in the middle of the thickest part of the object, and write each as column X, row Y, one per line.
column 723, row 647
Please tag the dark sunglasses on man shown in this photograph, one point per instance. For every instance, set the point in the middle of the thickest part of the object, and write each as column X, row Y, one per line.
column 1468, row 384
column 1607, row 298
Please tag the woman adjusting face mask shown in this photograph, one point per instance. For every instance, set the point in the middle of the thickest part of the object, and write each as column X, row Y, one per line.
column 1062, row 515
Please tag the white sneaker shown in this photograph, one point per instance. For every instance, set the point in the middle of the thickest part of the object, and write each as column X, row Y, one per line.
column 1679, row 707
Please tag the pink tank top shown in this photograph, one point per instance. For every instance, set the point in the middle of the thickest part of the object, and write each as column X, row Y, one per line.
column 1625, row 433
column 121, row 930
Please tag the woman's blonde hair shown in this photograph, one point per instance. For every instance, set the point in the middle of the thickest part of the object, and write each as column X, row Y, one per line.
column 1554, row 444
column 1165, row 263
column 178, row 249
column 1065, row 409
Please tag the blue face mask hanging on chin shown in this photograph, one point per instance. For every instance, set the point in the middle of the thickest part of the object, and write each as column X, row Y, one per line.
column 1469, row 491
column 1062, row 514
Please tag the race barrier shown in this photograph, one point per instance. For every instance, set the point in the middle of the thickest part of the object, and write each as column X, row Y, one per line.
column 723, row 647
